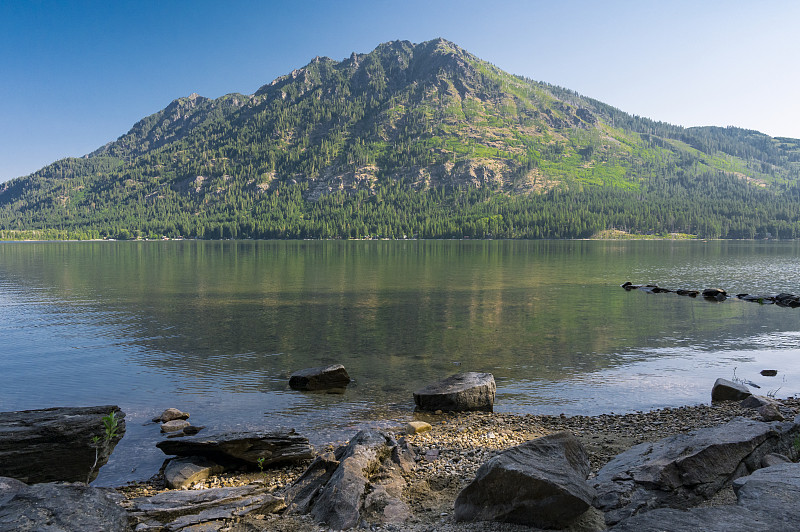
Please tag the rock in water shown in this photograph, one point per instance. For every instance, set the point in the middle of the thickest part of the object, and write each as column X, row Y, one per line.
column 171, row 414
column 243, row 448
column 715, row 294
column 685, row 469
column 55, row 443
column 322, row 378
column 462, row 392
column 59, row 507
column 725, row 390
column 541, row 483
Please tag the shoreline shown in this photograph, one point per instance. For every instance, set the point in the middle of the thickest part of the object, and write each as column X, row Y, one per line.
column 458, row 443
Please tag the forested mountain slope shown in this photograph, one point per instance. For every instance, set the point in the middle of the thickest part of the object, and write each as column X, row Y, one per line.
column 409, row 140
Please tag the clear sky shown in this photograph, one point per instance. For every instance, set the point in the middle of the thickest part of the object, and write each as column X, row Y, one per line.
column 76, row 75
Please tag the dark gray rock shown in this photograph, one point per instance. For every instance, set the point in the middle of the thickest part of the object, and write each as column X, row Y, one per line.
column 322, row 378
column 185, row 509
column 787, row 300
column 762, row 300
column 772, row 459
column 725, row 390
column 683, row 470
column 55, row 444
column 767, row 501
column 462, row 392
column 715, row 294
column 690, row 293
column 243, row 448
column 361, row 483
column 757, row 401
column 57, row 507
column 770, row 413
column 183, row 472
column 769, row 372
column 540, row 483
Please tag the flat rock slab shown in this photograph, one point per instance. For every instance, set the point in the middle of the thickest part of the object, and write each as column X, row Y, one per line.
column 541, row 483
column 54, row 444
column 183, row 509
column 682, row 470
column 244, row 448
column 457, row 393
column 332, row 377
column 59, row 507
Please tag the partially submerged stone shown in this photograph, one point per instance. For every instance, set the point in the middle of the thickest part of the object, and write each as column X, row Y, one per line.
column 171, row 414
column 55, row 444
column 176, row 425
column 541, row 483
column 461, row 392
column 716, row 294
column 322, row 378
column 725, row 390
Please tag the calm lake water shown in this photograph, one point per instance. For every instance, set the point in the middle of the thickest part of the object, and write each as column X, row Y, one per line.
column 216, row 328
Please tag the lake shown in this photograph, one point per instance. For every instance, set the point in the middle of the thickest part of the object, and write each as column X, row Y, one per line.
column 216, row 328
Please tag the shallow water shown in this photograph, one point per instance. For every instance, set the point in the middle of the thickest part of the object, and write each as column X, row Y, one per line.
column 216, row 328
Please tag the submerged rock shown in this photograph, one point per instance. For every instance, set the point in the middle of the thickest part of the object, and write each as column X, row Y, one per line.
column 462, row 392
column 321, row 378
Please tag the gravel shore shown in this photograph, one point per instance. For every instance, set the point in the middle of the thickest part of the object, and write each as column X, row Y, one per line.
column 450, row 454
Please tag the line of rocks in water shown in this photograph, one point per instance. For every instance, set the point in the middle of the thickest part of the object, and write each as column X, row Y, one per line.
column 718, row 294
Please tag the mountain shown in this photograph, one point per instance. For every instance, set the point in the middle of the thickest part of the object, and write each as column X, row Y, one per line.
column 410, row 140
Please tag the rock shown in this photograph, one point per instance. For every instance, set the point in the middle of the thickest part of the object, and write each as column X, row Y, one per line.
column 690, row 293
column 186, row 509
column 176, row 425
column 769, row 372
column 55, row 443
column 465, row 391
column 541, row 483
column 416, row 427
column 322, row 378
column 191, row 430
column 361, row 483
column 787, row 300
column 243, row 448
column 59, row 507
column 756, row 401
column 772, row 459
column 762, row 300
column 725, row 390
column 181, row 473
column 682, row 470
column 171, row 414
column 716, row 294
column 770, row 413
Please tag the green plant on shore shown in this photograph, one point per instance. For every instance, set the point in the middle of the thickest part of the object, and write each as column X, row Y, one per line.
column 110, row 431
column 261, row 465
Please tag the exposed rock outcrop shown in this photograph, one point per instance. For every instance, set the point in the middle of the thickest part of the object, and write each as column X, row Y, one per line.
column 55, row 444
column 683, row 470
column 464, row 391
column 725, row 390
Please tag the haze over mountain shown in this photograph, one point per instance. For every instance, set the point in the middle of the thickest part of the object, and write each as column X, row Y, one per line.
column 410, row 140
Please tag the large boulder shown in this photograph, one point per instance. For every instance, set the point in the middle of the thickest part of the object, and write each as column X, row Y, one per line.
column 767, row 500
column 461, row 392
column 725, row 390
column 182, row 473
column 683, row 470
column 55, row 444
column 207, row 509
column 59, row 507
column 250, row 449
column 715, row 294
column 361, row 482
column 323, row 378
column 541, row 483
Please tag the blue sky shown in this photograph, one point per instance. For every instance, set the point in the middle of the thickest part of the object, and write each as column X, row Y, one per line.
column 75, row 75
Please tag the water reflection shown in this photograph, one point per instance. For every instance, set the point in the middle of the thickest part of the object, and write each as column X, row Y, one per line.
column 216, row 328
